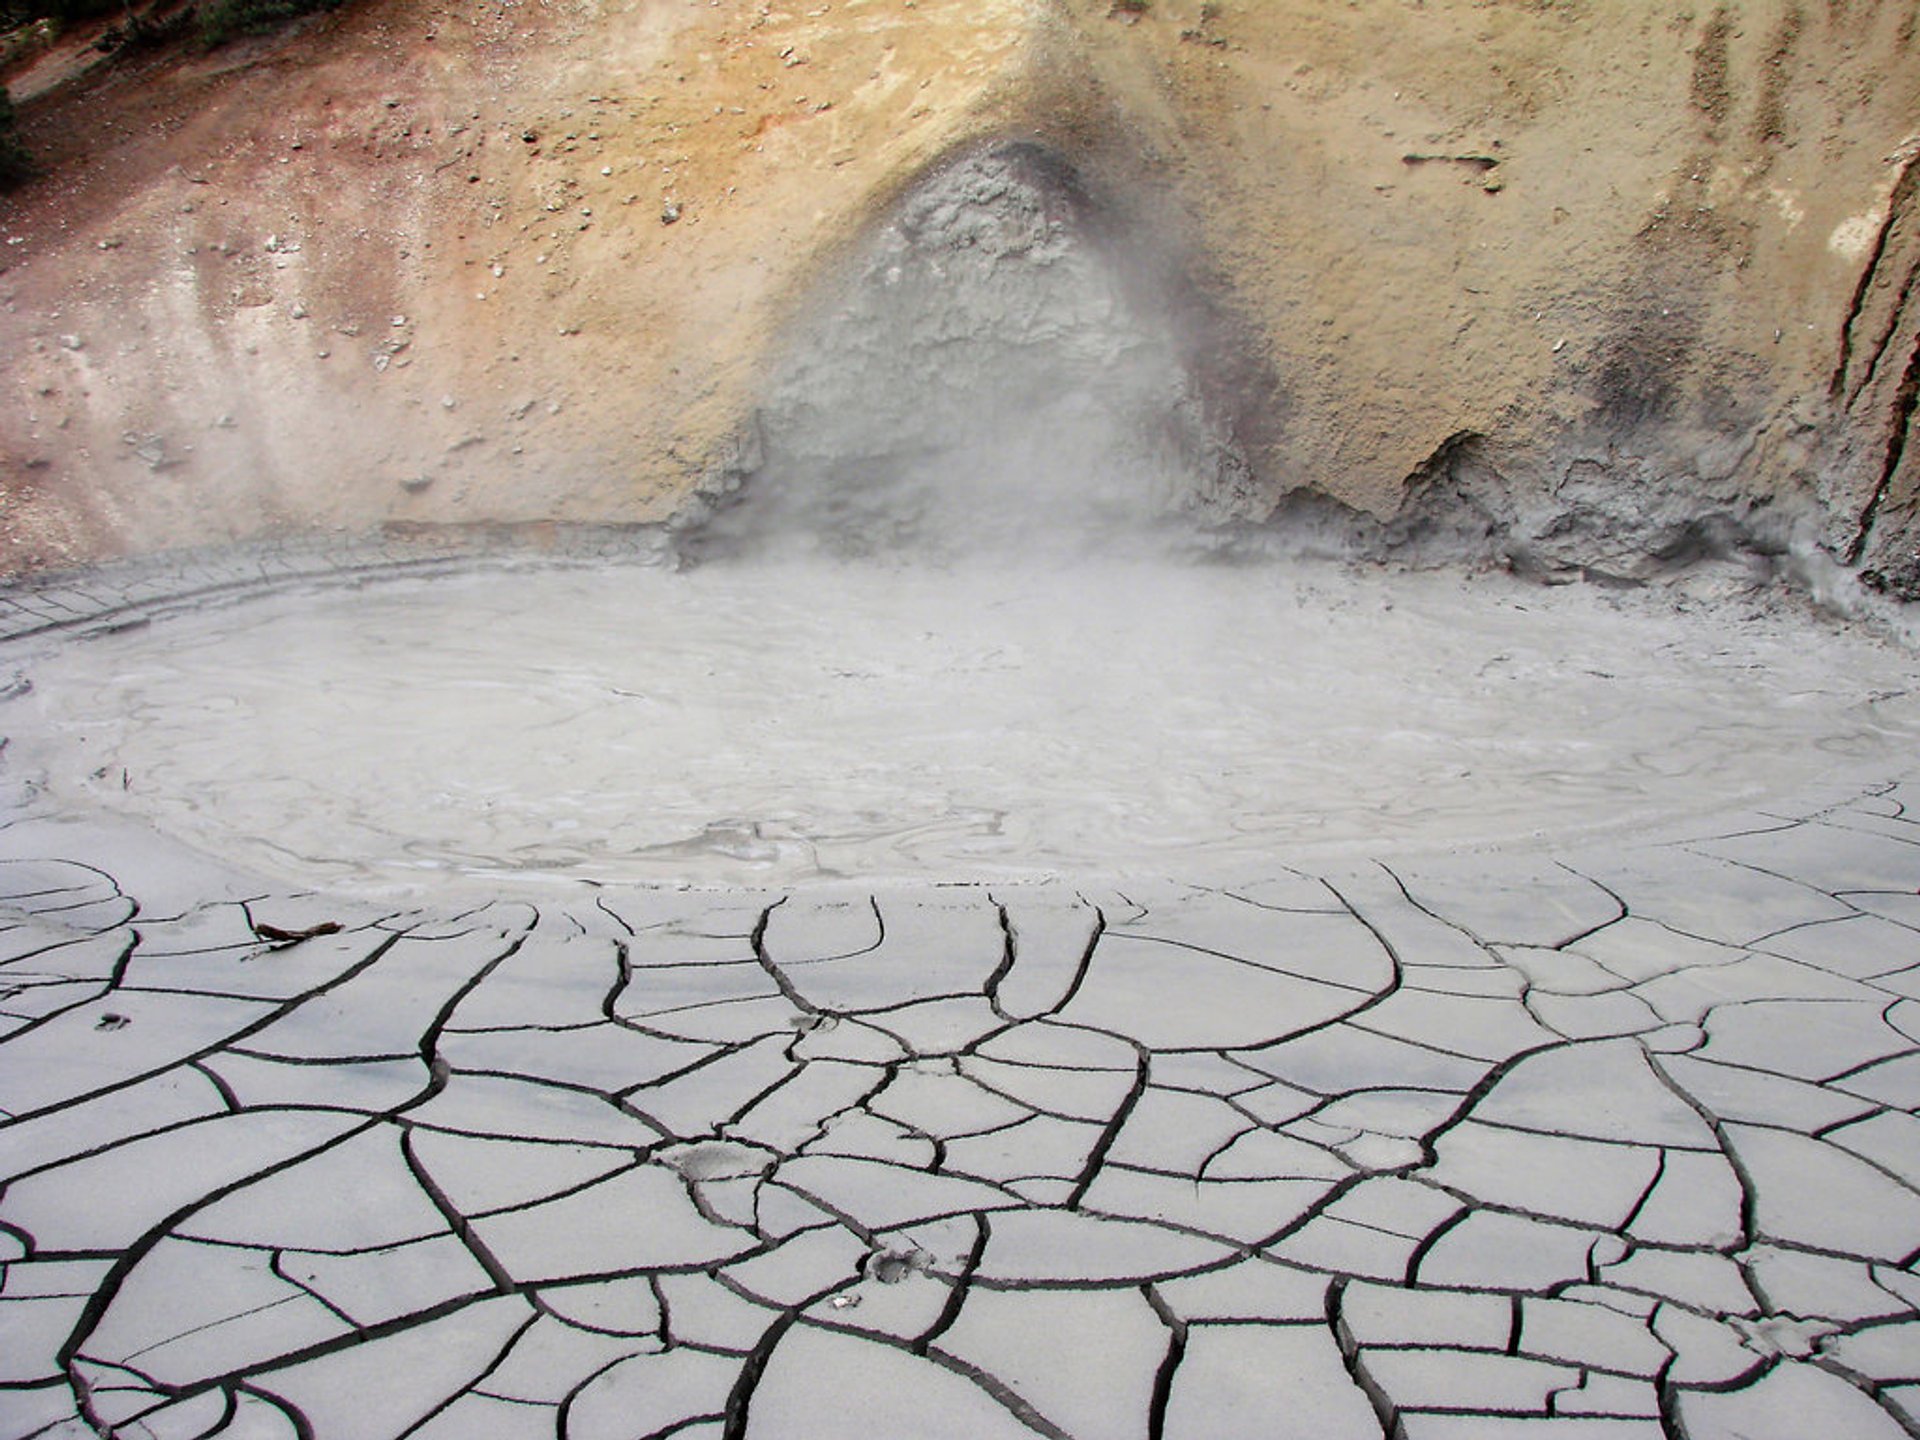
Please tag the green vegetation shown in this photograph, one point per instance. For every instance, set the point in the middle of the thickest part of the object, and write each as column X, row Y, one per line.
column 222, row 20
column 213, row 21
column 28, row 27
column 33, row 23
column 15, row 164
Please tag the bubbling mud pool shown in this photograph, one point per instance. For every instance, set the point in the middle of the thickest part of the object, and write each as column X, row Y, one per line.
column 770, row 723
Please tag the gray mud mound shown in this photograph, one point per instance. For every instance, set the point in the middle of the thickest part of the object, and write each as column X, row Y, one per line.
column 1004, row 359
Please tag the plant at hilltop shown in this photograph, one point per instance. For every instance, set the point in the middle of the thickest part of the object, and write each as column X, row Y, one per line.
column 16, row 13
column 223, row 20
column 15, row 164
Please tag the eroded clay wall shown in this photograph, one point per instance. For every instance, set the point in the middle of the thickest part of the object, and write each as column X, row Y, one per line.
column 1582, row 284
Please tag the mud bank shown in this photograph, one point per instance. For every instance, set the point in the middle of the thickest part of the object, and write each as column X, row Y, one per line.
column 1568, row 287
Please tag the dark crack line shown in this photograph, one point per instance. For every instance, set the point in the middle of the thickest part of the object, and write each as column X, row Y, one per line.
column 961, row 1286
column 54, row 946
column 740, row 1399
column 228, row 1042
column 1350, row 1356
column 276, row 1267
column 1646, row 1195
column 1418, row 1256
column 564, row 1193
column 1169, row 1367
column 600, row 904
column 999, row 1391
column 1478, row 942
column 1009, row 956
column 113, row 983
column 1111, row 1132
column 1333, row 909
column 1587, row 934
column 1464, row 1056
column 261, row 1371
column 465, row 1390
column 774, row 972
column 1260, row 965
column 458, row 1223
column 719, row 1052
column 103, row 1296
column 1085, row 966
column 1873, row 1388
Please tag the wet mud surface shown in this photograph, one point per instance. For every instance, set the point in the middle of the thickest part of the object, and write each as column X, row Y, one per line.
column 792, row 722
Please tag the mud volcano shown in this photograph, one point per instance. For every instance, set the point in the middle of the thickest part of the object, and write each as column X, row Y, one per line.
column 964, row 936
column 979, row 604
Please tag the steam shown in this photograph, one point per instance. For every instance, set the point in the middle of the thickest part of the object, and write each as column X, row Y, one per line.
column 995, row 376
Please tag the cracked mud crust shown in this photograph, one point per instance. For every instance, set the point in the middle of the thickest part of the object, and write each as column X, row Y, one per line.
column 1603, row 1142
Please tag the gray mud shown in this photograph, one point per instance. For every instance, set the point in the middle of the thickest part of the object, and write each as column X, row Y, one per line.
column 779, row 723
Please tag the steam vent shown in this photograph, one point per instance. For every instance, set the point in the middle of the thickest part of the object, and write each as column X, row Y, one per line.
column 1108, row 719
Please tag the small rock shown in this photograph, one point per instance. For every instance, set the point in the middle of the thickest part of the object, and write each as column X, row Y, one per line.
column 112, row 1022
column 498, row 271
column 397, row 321
column 669, row 213
column 414, row 484
column 447, row 402
column 70, row 342
column 606, row 169
column 298, row 310
column 151, row 449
